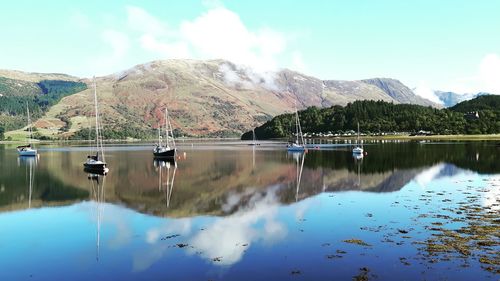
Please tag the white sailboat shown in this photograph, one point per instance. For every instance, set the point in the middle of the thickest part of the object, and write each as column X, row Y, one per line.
column 358, row 150
column 96, row 163
column 27, row 150
column 167, row 149
column 299, row 144
column 254, row 139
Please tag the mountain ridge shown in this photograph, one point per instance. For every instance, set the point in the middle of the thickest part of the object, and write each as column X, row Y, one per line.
column 205, row 97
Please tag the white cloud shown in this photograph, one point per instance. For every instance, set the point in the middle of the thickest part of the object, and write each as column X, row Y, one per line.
column 424, row 90
column 140, row 20
column 118, row 42
column 218, row 33
column 486, row 78
column 167, row 50
column 489, row 73
column 298, row 62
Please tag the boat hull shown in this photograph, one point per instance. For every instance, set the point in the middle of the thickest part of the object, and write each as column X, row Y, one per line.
column 164, row 154
column 296, row 148
column 30, row 152
column 98, row 167
column 94, row 172
column 357, row 150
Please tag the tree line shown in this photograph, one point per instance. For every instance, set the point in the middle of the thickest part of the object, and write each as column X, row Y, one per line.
column 376, row 117
column 15, row 95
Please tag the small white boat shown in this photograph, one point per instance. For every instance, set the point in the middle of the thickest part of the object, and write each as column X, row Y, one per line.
column 27, row 150
column 299, row 144
column 358, row 150
column 254, row 140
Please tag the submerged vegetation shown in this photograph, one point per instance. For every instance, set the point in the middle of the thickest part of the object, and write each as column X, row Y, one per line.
column 478, row 116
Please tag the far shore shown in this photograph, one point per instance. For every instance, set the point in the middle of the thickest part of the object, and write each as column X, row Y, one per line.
column 491, row 137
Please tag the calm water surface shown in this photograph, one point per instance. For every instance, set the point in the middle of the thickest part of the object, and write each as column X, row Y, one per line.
column 229, row 211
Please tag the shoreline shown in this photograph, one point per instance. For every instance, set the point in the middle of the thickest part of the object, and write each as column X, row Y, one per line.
column 491, row 137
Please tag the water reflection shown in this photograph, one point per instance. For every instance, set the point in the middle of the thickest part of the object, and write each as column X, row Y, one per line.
column 209, row 177
column 97, row 193
column 166, row 177
column 238, row 209
column 30, row 164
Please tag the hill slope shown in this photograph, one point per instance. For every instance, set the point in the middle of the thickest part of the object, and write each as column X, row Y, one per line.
column 379, row 116
column 37, row 92
column 481, row 103
column 206, row 98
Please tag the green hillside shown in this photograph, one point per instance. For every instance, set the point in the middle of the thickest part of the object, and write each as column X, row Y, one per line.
column 15, row 95
column 481, row 103
column 379, row 116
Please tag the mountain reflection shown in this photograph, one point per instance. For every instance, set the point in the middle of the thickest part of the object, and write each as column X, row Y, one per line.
column 226, row 182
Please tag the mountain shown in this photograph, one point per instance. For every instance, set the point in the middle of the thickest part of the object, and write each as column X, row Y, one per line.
column 205, row 98
column 398, row 91
column 449, row 99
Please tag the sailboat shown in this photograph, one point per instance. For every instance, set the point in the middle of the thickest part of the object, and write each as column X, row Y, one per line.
column 298, row 144
column 254, row 139
column 358, row 150
column 96, row 163
column 27, row 150
column 167, row 149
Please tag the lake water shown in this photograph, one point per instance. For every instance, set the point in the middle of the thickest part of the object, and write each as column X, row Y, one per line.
column 229, row 211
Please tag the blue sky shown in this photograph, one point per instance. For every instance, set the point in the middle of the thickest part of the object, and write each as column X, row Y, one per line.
column 446, row 45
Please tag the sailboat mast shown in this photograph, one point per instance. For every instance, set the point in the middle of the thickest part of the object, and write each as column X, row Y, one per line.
column 166, row 127
column 29, row 123
column 170, row 131
column 357, row 141
column 297, row 126
column 159, row 134
column 96, row 119
column 300, row 130
column 99, row 144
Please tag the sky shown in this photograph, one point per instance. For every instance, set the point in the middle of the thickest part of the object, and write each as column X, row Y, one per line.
column 448, row 45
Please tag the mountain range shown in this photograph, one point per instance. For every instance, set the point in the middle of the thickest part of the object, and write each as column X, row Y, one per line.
column 205, row 98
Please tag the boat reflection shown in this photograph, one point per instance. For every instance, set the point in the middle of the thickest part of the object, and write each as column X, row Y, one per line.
column 166, row 181
column 97, row 191
column 299, row 158
column 358, row 159
column 30, row 164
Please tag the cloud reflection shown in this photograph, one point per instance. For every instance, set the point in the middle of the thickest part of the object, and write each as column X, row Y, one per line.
column 224, row 240
column 227, row 238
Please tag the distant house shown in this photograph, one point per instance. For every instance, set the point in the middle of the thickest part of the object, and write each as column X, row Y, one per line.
column 473, row 115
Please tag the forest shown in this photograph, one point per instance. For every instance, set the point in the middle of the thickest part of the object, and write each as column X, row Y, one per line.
column 376, row 117
column 16, row 95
